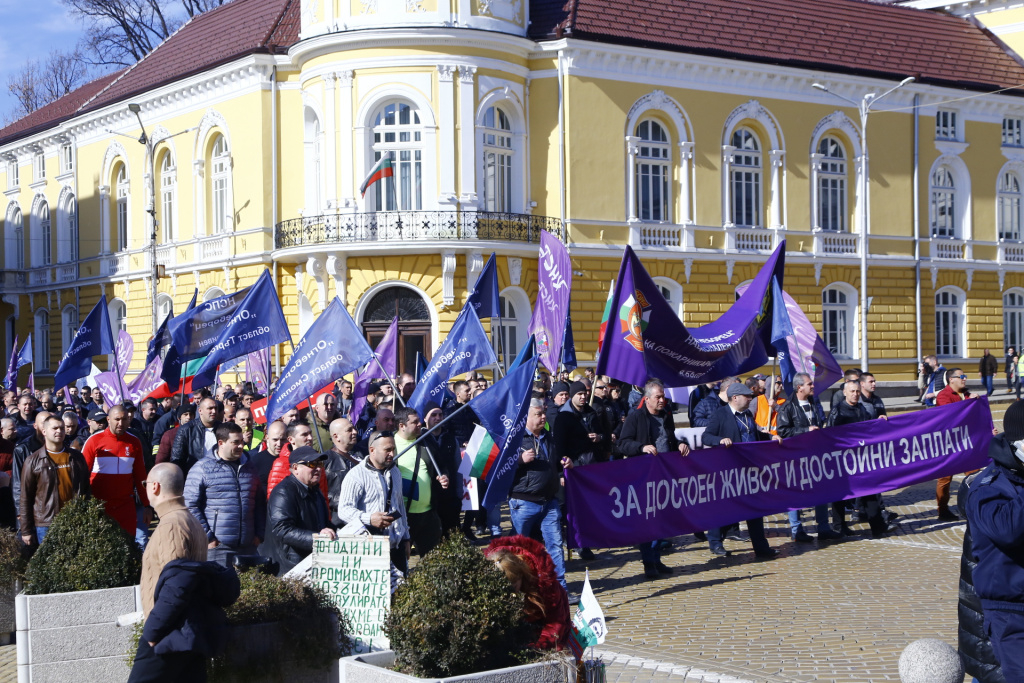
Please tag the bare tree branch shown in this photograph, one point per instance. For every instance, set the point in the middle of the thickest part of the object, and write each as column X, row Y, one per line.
column 41, row 82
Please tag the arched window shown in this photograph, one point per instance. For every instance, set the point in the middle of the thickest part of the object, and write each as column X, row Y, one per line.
column 68, row 326
column 942, row 207
column 745, row 179
column 220, row 180
column 515, row 318
column 168, row 197
column 397, row 129
column 213, row 293
column 41, row 235
column 118, row 313
column 1008, row 207
column 1013, row 319
column 14, row 240
column 306, row 315
column 832, row 212
column 312, row 140
column 41, row 352
column 497, row 146
column 949, row 322
column 122, row 207
column 839, row 315
column 414, row 333
column 673, row 293
column 164, row 305
column 653, row 171
column 67, row 231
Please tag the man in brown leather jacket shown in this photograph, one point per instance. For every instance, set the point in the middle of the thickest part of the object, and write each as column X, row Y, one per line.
column 51, row 477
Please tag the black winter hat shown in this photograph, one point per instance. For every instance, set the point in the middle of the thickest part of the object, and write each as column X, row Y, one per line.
column 559, row 387
column 577, row 387
column 1013, row 422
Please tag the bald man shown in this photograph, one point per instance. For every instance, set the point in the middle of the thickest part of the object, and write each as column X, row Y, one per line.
column 26, row 447
column 341, row 457
column 115, row 459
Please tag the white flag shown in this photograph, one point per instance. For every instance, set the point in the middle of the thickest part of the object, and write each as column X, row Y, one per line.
column 588, row 627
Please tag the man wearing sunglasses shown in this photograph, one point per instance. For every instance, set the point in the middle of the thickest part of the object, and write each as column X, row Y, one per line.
column 955, row 390
column 296, row 511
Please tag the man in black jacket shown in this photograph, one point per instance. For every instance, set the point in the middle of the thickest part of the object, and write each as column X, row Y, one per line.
column 197, row 439
column 26, row 447
column 800, row 415
column 711, row 403
column 731, row 424
column 650, row 430
column 296, row 511
column 533, row 500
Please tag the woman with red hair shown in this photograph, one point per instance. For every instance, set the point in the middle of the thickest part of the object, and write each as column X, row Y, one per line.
column 529, row 568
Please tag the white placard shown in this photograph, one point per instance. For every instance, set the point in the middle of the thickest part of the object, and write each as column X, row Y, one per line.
column 356, row 573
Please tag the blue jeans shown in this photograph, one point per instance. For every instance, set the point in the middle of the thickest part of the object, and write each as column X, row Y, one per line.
column 525, row 515
column 987, row 381
column 141, row 530
column 41, row 533
column 494, row 520
column 820, row 518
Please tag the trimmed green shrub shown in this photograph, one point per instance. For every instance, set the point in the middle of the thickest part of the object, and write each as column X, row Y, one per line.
column 457, row 614
column 12, row 559
column 83, row 550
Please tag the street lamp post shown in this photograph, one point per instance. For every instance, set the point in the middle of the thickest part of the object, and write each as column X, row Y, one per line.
column 864, row 108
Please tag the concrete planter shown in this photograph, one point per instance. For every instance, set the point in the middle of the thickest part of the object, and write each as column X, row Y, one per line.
column 259, row 645
column 376, row 667
column 7, row 625
column 74, row 636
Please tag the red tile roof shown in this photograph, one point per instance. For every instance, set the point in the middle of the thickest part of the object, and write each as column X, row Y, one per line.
column 852, row 36
column 235, row 29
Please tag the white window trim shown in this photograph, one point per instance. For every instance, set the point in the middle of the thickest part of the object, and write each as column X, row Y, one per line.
column 227, row 175
column 1015, row 168
column 314, row 161
column 68, row 239
column 958, row 126
column 115, row 154
column 963, row 223
column 852, row 315
column 675, row 293
column 212, row 293
column 962, row 331
column 40, row 234
column 367, row 297
column 839, row 122
column 508, row 102
column 41, row 350
column 1019, row 291
column 14, row 237
column 68, row 325
column 1020, row 130
column 521, row 303
column 682, row 187
column 172, row 234
column 773, row 152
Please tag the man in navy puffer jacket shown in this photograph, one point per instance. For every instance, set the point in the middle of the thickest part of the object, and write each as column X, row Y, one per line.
column 220, row 492
column 186, row 625
column 995, row 514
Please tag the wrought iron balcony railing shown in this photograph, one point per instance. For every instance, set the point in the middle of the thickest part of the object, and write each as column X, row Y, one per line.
column 396, row 226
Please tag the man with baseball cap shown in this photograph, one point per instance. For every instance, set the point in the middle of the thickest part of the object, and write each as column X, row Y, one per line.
column 730, row 424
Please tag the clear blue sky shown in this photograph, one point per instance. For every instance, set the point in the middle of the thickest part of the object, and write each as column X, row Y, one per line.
column 32, row 28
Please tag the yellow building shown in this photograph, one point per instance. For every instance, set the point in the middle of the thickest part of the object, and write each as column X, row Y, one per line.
column 691, row 131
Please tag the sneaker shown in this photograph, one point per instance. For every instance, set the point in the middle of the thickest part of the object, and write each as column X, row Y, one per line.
column 829, row 535
column 662, row 568
column 719, row 551
column 735, row 535
column 769, row 554
column 802, row 536
column 890, row 516
column 586, row 554
column 948, row 516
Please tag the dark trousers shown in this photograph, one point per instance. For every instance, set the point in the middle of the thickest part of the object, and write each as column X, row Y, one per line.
column 425, row 531
column 757, row 538
column 150, row 667
column 873, row 508
column 399, row 559
column 225, row 555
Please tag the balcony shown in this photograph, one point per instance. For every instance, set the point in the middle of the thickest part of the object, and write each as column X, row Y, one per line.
column 12, row 279
column 165, row 254
column 751, row 239
column 67, row 272
column 1011, row 251
column 114, row 264
column 405, row 226
column 39, row 276
column 947, row 249
column 211, row 248
column 828, row 243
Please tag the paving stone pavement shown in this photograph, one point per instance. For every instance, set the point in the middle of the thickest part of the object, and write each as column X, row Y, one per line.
column 839, row 612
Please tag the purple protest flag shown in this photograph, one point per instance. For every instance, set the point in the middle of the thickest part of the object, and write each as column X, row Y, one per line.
column 645, row 338
column 110, row 384
column 11, row 378
column 68, row 400
column 124, row 350
column 387, row 353
column 147, row 380
column 805, row 350
column 31, row 383
column 256, row 364
column 626, row 502
column 554, row 283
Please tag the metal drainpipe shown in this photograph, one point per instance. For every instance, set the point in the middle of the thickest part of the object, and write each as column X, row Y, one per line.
column 273, row 196
column 917, row 224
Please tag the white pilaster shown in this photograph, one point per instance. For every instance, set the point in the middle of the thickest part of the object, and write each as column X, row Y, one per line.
column 330, row 137
column 467, row 138
column 447, row 195
column 346, row 157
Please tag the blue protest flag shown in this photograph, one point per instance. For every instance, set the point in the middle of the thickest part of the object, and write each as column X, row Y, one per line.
column 93, row 338
column 195, row 331
column 782, row 326
column 257, row 322
column 12, row 367
column 25, row 355
column 484, row 298
column 421, row 366
column 502, row 411
column 161, row 339
column 465, row 348
column 568, row 347
column 528, row 352
column 332, row 347
column 192, row 304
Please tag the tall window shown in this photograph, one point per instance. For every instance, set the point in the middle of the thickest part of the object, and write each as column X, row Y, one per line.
column 396, row 129
column 653, row 168
column 838, row 321
column 1008, row 207
column 1013, row 132
column 219, row 177
column 67, row 158
column 67, row 230
column 949, row 323
column 832, row 186
column 118, row 313
column 168, row 193
column 122, row 207
column 40, row 246
column 943, row 203
column 14, row 241
column 497, row 145
column 68, row 326
column 1013, row 319
column 41, row 357
column 946, row 127
column 38, row 167
column 13, row 179
column 745, row 179
column 314, row 172
column 164, row 304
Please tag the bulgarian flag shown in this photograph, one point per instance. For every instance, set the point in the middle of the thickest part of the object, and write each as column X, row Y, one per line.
column 481, row 453
column 382, row 169
column 606, row 316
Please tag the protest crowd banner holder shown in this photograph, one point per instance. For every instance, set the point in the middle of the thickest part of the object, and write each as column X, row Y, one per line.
column 355, row 572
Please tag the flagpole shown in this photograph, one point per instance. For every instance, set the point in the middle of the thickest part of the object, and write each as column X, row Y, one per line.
column 501, row 345
column 424, row 434
column 417, row 375
column 390, row 381
column 312, row 409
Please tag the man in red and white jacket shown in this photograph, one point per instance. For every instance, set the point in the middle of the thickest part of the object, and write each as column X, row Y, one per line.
column 955, row 390
column 115, row 460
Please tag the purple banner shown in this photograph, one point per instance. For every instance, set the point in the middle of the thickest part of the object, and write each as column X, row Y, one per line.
column 110, row 384
column 626, row 502
column 387, row 354
column 124, row 350
column 146, row 381
column 554, row 281
column 256, row 364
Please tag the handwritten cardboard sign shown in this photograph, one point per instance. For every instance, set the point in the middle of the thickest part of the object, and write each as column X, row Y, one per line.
column 356, row 573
